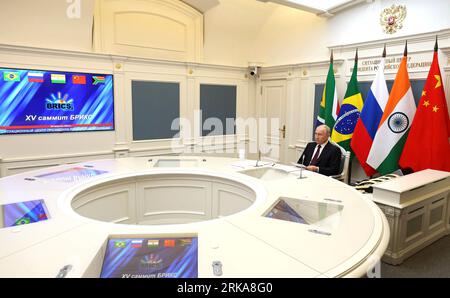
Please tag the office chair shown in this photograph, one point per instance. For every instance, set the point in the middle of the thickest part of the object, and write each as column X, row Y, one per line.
column 343, row 167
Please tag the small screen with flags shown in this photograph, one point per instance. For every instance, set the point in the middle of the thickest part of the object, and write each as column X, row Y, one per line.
column 71, row 175
column 168, row 257
column 23, row 213
column 42, row 101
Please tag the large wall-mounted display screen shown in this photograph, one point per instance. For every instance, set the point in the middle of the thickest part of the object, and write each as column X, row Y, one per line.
column 36, row 101
column 22, row 213
column 151, row 258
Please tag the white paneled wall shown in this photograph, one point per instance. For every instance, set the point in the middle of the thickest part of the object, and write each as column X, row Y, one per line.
column 158, row 29
column 25, row 152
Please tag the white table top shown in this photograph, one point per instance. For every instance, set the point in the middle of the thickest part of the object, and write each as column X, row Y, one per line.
column 406, row 191
column 247, row 243
column 411, row 182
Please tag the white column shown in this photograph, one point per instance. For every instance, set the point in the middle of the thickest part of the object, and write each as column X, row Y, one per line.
column 121, row 146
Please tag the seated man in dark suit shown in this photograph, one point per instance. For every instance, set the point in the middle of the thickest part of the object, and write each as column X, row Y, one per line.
column 321, row 156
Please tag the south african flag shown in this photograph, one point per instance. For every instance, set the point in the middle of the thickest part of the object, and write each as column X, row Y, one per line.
column 98, row 80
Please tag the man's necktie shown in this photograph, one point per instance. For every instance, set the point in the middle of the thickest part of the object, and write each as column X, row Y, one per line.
column 316, row 156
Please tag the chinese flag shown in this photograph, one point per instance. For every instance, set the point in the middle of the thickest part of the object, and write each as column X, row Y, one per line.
column 169, row 243
column 78, row 79
column 427, row 146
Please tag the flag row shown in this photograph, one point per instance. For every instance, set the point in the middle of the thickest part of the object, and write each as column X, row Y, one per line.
column 39, row 77
column 386, row 131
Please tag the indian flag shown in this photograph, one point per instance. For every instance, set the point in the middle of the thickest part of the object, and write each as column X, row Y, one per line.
column 394, row 124
column 58, row 78
column 329, row 105
column 153, row 243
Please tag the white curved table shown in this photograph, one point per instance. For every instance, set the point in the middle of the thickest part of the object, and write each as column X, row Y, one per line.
column 247, row 243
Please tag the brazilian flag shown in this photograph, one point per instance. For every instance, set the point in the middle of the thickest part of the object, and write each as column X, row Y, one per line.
column 120, row 244
column 349, row 112
column 22, row 221
column 11, row 76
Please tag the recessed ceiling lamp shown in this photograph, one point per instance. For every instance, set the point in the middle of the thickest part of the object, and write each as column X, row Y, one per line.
column 325, row 8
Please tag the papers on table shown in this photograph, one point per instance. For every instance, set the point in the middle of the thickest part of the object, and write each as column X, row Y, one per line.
column 298, row 165
column 291, row 168
column 243, row 164
column 286, row 168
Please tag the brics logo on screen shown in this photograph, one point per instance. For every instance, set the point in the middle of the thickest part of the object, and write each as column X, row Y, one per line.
column 58, row 102
column 59, row 105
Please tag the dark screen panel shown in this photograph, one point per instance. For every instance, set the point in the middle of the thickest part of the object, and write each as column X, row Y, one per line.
column 220, row 102
column 155, row 106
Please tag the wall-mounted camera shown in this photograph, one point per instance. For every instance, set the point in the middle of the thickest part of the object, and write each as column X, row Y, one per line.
column 253, row 70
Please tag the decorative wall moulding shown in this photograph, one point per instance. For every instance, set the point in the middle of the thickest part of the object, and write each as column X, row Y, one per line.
column 443, row 39
column 416, row 62
column 100, row 62
column 299, row 69
column 391, row 18
column 157, row 29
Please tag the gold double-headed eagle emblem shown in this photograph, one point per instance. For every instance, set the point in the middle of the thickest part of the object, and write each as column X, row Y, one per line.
column 391, row 18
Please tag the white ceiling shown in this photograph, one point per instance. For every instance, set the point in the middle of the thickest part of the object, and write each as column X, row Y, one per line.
column 313, row 5
column 324, row 8
column 321, row 5
column 202, row 5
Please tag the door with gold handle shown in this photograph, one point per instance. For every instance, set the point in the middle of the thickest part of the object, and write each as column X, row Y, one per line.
column 284, row 131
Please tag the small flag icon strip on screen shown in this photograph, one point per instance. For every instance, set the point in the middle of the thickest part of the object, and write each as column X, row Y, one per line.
column 136, row 243
column 152, row 243
column 79, row 79
column 11, row 76
column 58, row 78
column 36, row 77
column 98, row 80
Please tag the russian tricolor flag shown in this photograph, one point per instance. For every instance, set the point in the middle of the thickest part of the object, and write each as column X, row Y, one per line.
column 136, row 243
column 370, row 117
column 36, row 77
